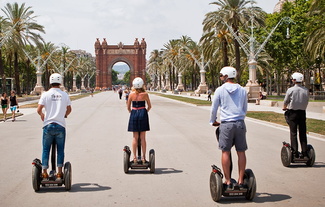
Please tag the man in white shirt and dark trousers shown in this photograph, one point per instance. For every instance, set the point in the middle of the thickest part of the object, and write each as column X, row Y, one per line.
column 57, row 106
column 295, row 104
column 232, row 100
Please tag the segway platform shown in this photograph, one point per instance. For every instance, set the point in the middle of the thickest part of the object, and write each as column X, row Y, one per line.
column 288, row 157
column 139, row 164
column 38, row 181
column 219, row 189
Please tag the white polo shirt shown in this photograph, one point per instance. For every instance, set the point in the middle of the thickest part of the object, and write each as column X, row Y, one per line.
column 55, row 102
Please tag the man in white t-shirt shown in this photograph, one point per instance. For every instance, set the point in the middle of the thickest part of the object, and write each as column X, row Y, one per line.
column 57, row 106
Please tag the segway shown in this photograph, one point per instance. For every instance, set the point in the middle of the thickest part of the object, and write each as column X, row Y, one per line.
column 288, row 156
column 138, row 164
column 219, row 189
column 37, row 179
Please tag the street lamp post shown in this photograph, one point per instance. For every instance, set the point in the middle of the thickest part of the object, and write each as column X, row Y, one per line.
column 252, row 85
column 38, row 89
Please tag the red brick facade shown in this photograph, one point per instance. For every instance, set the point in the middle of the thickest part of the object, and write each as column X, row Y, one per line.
column 107, row 55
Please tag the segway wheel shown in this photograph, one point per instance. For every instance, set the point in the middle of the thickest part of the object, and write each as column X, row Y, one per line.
column 312, row 156
column 215, row 186
column 152, row 161
column 286, row 156
column 250, row 180
column 67, row 175
column 126, row 159
column 36, row 178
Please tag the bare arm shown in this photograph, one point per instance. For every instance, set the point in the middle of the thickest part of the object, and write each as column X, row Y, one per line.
column 69, row 109
column 148, row 102
column 128, row 105
column 40, row 112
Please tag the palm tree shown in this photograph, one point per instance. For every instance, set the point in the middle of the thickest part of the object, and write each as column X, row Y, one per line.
column 170, row 53
column 47, row 49
column 155, row 66
column 3, row 27
column 315, row 42
column 22, row 21
column 215, row 36
column 235, row 14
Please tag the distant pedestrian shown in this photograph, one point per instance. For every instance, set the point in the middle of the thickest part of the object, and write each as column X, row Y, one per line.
column 126, row 92
column 260, row 97
column 13, row 105
column 92, row 92
column 209, row 94
column 295, row 104
column 120, row 93
column 4, row 105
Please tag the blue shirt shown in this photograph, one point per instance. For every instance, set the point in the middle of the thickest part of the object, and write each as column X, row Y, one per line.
column 232, row 100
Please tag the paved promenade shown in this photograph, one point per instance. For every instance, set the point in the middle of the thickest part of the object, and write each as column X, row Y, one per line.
column 185, row 147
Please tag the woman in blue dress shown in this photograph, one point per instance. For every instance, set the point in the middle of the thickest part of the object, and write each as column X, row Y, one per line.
column 139, row 120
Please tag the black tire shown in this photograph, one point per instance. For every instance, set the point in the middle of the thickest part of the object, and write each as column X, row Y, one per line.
column 126, row 160
column 250, row 181
column 152, row 161
column 215, row 186
column 36, row 178
column 286, row 156
column 312, row 156
column 67, row 176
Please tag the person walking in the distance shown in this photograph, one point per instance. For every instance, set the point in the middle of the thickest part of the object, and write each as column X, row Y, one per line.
column 295, row 104
column 57, row 106
column 139, row 119
column 4, row 105
column 209, row 94
column 120, row 93
column 232, row 100
column 13, row 104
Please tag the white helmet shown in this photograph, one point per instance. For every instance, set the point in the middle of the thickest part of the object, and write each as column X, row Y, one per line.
column 298, row 77
column 55, row 78
column 230, row 71
column 137, row 82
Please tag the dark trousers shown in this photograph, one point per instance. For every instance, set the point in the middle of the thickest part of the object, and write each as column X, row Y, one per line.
column 296, row 120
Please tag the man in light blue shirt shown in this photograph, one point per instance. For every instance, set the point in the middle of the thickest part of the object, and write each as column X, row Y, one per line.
column 232, row 100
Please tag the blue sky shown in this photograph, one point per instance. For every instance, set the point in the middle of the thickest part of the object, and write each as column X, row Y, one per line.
column 77, row 23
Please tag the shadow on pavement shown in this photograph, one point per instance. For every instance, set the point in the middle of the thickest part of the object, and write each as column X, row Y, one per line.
column 158, row 171
column 302, row 165
column 88, row 187
column 79, row 187
column 259, row 198
column 269, row 197
column 167, row 171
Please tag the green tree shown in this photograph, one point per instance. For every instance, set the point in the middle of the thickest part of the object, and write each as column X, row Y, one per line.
column 114, row 77
column 288, row 51
column 235, row 14
column 315, row 41
column 21, row 19
column 126, row 78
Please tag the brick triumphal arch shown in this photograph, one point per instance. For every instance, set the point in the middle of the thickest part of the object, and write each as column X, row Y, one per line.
column 107, row 55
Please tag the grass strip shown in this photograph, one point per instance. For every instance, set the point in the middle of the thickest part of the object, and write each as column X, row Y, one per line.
column 72, row 98
column 194, row 101
column 313, row 125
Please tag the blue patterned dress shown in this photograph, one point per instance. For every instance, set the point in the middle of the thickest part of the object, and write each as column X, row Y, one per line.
column 139, row 119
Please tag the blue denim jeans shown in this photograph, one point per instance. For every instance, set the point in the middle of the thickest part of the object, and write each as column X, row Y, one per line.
column 53, row 132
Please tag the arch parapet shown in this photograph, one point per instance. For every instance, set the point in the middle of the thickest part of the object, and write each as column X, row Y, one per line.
column 107, row 55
